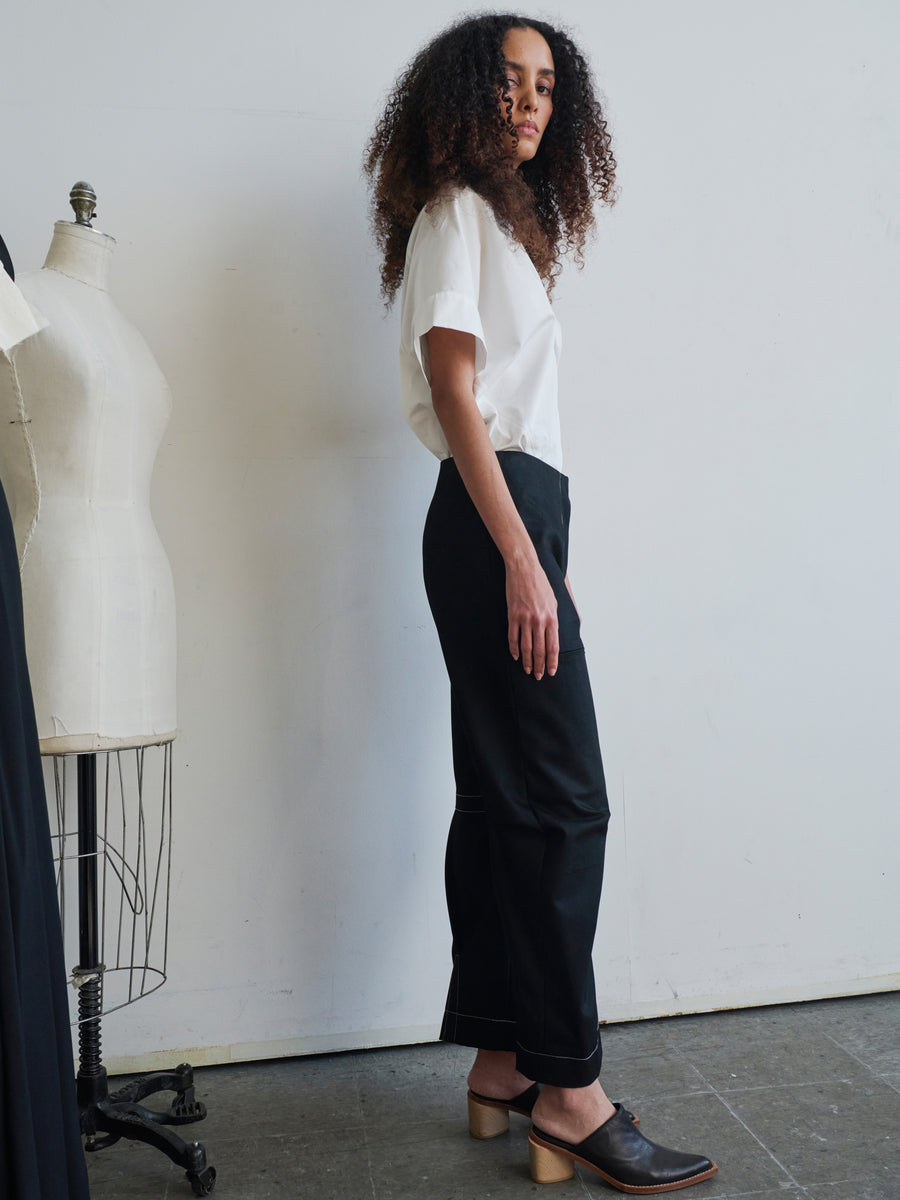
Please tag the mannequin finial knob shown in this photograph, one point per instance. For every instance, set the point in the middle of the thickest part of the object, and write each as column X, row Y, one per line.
column 83, row 198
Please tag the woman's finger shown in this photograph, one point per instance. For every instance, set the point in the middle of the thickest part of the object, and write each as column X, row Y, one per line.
column 525, row 643
column 512, row 637
column 552, row 645
column 539, row 651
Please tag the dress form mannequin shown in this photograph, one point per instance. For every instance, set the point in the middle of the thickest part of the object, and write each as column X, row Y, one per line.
column 82, row 413
column 83, row 407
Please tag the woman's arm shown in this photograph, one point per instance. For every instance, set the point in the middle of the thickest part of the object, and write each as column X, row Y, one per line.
column 572, row 598
column 531, row 604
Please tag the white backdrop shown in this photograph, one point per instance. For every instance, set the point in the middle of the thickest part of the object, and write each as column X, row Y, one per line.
column 730, row 387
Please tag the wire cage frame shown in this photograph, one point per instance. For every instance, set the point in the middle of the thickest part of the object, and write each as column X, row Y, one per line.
column 133, row 869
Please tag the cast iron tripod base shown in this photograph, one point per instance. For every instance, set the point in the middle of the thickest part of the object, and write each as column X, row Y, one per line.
column 121, row 1115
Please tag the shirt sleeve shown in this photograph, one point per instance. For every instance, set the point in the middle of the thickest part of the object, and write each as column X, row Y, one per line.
column 17, row 320
column 442, row 279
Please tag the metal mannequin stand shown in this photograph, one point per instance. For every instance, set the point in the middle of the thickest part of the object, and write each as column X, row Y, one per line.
column 123, row 874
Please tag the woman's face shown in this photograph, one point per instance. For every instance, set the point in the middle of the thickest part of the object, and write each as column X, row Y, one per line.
column 529, row 83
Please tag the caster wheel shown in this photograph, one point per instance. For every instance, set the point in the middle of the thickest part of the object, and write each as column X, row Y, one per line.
column 203, row 1182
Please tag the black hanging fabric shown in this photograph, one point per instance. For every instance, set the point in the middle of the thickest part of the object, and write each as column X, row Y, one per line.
column 40, row 1143
column 5, row 260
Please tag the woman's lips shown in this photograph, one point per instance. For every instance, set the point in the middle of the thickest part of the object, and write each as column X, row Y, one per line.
column 527, row 127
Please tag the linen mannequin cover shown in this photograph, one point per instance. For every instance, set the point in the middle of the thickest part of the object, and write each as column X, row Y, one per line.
column 83, row 407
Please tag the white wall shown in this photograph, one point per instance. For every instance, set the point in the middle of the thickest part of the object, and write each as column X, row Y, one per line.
column 730, row 407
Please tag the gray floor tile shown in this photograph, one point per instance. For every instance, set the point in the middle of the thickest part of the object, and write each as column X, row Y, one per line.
column 867, row 1027
column 703, row 1124
column 785, row 1193
column 406, row 1133
column 329, row 1167
column 406, row 1089
column 776, row 1019
column 800, row 1102
column 278, row 1097
column 826, row 1132
column 633, row 1037
column 857, row 1189
column 708, row 1191
column 637, row 1078
column 876, row 1005
column 439, row 1058
column 135, row 1171
column 763, row 1048
column 459, row 1168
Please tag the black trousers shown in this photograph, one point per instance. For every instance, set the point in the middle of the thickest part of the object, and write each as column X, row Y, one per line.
column 525, row 854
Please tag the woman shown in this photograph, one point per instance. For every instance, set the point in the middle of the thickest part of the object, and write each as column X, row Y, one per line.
column 486, row 163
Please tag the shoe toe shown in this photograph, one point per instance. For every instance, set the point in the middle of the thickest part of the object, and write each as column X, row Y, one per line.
column 625, row 1155
column 621, row 1155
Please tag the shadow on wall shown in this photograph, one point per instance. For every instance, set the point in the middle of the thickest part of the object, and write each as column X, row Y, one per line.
column 313, row 643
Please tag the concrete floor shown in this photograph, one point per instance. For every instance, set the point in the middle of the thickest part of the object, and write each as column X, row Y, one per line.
column 799, row 1102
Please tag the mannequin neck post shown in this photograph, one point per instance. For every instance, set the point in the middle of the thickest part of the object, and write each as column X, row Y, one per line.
column 81, row 253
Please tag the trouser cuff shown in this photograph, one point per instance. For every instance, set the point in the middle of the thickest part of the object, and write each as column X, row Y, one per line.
column 485, row 1033
column 557, row 1070
column 482, row 1033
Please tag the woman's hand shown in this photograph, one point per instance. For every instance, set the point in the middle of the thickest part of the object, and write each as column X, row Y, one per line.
column 533, row 625
column 533, row 632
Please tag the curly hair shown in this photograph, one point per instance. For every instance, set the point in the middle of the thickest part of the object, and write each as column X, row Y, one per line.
column 442, row 127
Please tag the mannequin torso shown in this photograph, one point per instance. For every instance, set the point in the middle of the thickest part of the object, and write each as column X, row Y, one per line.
column 84, row 406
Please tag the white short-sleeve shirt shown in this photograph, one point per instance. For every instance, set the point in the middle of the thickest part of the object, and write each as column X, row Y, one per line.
column 463, row 272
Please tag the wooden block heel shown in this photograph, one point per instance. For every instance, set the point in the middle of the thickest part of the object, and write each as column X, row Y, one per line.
column 487, row 1120
column 547, row 1166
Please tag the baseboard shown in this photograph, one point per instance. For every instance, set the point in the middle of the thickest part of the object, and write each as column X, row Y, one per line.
column 682, row 1006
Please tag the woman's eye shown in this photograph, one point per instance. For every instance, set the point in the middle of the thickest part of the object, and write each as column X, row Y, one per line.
column 544, row 90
